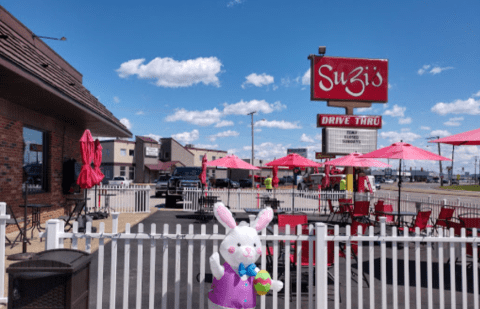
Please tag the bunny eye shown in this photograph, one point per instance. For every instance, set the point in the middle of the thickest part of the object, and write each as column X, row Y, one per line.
column 254, row 245
column 239, row 245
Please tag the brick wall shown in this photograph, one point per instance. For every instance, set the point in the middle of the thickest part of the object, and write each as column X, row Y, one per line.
column 63, row 141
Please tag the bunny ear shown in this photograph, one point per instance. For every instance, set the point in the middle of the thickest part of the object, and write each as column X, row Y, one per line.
column 263, row 219
column 224, row 216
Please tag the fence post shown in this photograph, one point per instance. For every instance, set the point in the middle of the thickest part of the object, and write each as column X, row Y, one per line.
column 3, row 219
column 52, row 231
column 321, row 265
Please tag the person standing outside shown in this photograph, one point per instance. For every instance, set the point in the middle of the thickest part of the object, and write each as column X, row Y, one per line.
column 343, row 184
column 268, row 183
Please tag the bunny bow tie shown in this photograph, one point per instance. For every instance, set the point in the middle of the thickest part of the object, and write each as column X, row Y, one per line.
column 249, row 271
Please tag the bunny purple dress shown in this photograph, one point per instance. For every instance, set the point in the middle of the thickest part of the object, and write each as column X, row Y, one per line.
column 231, row 291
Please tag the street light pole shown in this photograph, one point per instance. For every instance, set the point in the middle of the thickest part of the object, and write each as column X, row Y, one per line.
column 253, row 157
column 439, row 161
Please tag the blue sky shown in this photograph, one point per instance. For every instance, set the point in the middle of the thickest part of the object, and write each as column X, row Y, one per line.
column 193, row 70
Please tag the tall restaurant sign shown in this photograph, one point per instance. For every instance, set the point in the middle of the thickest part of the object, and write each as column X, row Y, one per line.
column 345, row 141
column 349, row 79
column 348, row 121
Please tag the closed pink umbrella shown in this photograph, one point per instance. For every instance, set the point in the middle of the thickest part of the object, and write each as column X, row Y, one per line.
column 86, row 178
column 203, row 175
column 275, row 180
column 97, row 161
column 403, row 151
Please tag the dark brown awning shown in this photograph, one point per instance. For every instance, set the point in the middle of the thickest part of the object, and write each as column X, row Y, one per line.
column 162, row 166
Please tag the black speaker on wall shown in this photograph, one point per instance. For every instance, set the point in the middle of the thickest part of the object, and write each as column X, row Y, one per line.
column 71, row 170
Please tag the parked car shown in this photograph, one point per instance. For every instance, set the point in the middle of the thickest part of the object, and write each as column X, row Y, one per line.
column 377, row 186
column 120, row 181
column 389, row 181
column 445, row 180
column 455, row 182
column 245, row 183
column 224, row 183
column 287, row 179
column 161, row 185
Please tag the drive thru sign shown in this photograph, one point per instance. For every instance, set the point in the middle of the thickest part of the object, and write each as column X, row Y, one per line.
column 349, row 79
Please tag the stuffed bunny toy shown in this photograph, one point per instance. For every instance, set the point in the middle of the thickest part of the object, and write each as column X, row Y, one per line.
column 232, row 285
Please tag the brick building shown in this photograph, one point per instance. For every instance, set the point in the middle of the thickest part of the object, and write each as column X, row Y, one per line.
column 44, row 110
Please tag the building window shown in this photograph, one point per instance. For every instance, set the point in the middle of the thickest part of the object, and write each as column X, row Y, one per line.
column 167, row 155
column 213, row 158
column 35, row 159
column 201, row 157
column 107, row 151
column 131, row 173
column 123, row 152
column 122, row 170
column 131, row 152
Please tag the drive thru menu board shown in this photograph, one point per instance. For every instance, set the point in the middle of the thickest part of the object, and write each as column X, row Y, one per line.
column 346, row 141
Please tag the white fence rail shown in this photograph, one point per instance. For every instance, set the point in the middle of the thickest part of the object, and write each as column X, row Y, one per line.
column 131, row 199
column 418, row 278
column 238, row 199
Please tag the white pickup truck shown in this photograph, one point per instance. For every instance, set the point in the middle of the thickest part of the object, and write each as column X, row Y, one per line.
column 120, row 181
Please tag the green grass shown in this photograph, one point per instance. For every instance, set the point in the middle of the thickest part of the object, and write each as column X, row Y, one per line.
column 463, row 188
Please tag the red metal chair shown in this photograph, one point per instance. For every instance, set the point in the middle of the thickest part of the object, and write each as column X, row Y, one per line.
column 421, row 221
column 470, row 220
column 361, row 209
column 381, row 207
column 446, row 212
column 345, row 207
column 334, row 211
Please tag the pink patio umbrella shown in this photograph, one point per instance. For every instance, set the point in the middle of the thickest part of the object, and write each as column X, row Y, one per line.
column 203, row 174
column 232, row 162
column 97, row 161
column 293, row 160
column 275, row 180
column 403, row 151
column 469, row 138
column 355, row 160
column 86, row 178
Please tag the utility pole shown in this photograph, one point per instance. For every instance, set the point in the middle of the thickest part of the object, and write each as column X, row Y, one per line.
column 439, row 162
column 253, row 157
column 475, row 170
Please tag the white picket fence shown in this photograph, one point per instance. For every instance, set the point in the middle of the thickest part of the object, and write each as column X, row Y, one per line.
column 131, row 199
column 239, row 199
column 320, row 294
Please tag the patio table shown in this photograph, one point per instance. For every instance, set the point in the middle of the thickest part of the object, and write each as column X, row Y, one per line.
column 398, row 214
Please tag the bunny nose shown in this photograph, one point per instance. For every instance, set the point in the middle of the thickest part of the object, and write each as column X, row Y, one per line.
column 248, row 250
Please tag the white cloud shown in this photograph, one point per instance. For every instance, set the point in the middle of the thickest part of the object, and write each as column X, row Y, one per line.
column 234, row 2
column 116, row 100
column 186, row 137
column 245, row 107
column 126, row 123
column 306, row 139
column 257, row 130
column 201, row 118
column 306, row 78
column 423, row 69
column 171, row 73
column 139, row 113
column 318, row 137
column 477, row 94
column 435, row 70
column 268, row 151
column 154, row 136
column 228, row 133
column 407, row 120
column 224, row 123
column 394, row 137
column 425, row 128
column 438, row 70
column 469, row 106
column 453, row 122
column 207, row 146
column 258, row 80
column 396, row 111
column 364, row 109
column 440, row 133
column 278, row 124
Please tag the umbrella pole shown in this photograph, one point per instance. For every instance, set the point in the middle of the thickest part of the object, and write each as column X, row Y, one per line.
column 229, row 179
column 451, row 169
column 293, row 192
column 399, row 189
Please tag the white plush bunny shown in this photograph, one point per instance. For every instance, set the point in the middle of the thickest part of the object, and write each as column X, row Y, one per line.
column 232, row 285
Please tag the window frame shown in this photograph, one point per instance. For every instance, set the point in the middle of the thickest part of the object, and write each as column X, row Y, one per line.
column 45, row 184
